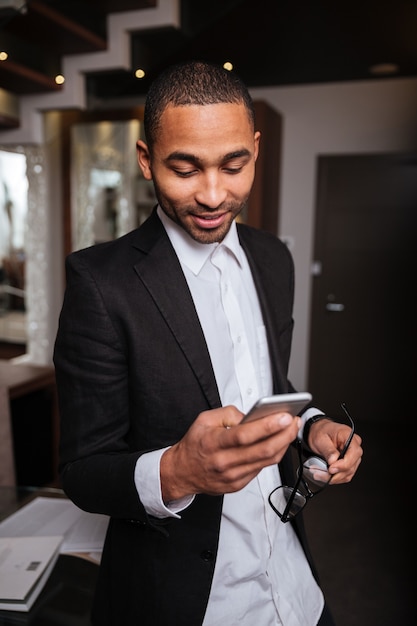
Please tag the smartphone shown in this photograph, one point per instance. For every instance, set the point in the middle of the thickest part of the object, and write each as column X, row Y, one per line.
column 291, row 403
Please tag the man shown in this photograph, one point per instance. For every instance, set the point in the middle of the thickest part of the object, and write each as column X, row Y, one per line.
column 167, row 337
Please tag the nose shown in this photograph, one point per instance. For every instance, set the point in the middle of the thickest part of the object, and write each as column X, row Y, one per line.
column 211, row 190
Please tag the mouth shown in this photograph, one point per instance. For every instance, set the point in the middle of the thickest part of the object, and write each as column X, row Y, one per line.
column 209, row 221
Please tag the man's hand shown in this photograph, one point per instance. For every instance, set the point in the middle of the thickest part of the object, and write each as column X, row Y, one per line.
column 219, row 455
column 327, row 439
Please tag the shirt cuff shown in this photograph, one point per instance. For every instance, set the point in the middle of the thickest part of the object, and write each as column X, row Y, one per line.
column 148, row 485
column 311, row 412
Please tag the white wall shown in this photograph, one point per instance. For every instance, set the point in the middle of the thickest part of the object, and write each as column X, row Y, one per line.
column 341, row 118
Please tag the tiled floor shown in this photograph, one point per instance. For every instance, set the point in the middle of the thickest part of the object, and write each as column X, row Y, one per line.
column 363, row 534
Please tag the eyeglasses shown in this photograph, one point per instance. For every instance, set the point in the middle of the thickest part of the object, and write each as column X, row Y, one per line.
column 312, row 478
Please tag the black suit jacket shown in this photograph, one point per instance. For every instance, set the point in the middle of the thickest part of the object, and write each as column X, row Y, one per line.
column 133, row 372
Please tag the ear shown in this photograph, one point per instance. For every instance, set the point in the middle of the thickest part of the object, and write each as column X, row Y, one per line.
column 144, row 159
column 257, row 138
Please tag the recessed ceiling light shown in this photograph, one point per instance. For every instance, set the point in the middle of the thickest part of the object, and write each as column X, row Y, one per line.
column 140, row 73
column 3, row 56
column 228, row 66
column 59, row 79
column 384, row 69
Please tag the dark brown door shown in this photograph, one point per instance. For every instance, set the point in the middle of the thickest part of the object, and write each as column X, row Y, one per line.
column 363, row 323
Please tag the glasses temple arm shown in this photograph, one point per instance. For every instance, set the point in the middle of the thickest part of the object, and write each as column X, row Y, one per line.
column 295, row 488
column 352, row 432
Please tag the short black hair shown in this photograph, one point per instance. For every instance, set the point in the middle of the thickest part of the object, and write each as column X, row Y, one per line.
column 192, row 83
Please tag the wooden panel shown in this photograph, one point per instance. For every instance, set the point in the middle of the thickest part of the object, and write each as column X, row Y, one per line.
column 263, row 206
column 33, row 419
column 7, row 471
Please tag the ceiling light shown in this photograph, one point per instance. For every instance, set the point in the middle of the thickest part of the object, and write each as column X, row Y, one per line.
column 384, row 69
column 59, row 79
column 3, row 56
column 228, row 66
column 139, row 73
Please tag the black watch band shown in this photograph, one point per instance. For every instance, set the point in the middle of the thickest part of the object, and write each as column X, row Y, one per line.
column 309, row 423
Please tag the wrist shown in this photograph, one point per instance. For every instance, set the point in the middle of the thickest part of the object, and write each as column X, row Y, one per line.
column 309, row 423
column 172, row 486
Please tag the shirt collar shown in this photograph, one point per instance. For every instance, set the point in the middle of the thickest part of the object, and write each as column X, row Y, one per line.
column 192, row 253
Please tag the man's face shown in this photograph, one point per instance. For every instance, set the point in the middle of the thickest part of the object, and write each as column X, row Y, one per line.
column 202, row 166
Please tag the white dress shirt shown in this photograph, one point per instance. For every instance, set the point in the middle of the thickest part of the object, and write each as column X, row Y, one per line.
column 261, row 574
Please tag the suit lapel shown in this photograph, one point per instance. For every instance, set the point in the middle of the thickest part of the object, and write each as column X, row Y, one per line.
column 161, row 274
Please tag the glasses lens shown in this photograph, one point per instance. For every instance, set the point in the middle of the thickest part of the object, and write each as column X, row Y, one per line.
column 315, row 471
column 280, row 497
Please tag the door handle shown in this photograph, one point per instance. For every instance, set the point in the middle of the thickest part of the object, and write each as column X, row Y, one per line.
column 335, row 307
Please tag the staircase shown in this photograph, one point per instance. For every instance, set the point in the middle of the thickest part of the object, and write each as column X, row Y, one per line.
column 75, row 49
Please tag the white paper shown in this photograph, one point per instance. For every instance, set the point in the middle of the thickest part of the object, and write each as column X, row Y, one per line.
column 42, row 517
column 25, row 565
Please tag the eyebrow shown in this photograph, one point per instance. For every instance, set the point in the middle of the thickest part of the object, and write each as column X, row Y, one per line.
column 192, row 158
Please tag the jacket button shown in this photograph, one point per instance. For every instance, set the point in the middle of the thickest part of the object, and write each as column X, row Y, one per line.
column 207, row 555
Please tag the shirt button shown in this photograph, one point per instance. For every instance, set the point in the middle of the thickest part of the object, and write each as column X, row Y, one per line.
column 207, row 555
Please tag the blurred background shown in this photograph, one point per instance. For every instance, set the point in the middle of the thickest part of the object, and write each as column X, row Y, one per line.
column 335, row 91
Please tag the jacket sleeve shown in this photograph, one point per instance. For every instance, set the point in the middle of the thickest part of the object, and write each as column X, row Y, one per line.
column 96, row 466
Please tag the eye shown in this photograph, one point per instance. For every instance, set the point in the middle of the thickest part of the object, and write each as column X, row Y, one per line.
column 233, row 170
column 183, row 169
column 235, row 165
column 184, row 173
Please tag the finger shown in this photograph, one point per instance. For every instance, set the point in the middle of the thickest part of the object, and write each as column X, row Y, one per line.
column 344, row 470
column 250, row 433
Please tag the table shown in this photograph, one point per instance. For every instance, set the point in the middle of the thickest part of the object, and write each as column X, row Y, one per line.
column 26, row 392
column 23, row 378
column 67, row 597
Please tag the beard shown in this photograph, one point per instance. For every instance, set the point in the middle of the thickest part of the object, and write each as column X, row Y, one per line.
column 182, row 215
